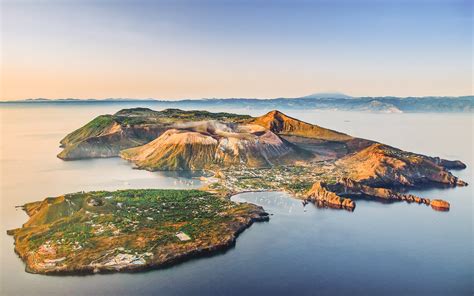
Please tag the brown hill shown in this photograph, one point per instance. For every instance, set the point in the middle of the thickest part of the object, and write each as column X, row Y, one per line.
column 207, row 144
column 325, row 144
column 282, row 124
column 380, row 165
column 174, row 150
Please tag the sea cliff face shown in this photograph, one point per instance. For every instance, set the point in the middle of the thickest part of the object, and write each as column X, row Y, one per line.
column 331, row 195
column 320, row 194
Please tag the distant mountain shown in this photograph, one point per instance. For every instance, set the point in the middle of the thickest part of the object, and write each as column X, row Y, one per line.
column 335, row 95
column 323, row 101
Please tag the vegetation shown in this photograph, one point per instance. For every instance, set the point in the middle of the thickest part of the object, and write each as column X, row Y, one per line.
column 91, row 129
column 86, row 231
column 294, row 179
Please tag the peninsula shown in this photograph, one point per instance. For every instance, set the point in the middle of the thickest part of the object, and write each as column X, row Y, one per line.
column 128, row 230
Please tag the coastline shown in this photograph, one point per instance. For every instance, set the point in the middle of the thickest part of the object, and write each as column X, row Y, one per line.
column 165, row 254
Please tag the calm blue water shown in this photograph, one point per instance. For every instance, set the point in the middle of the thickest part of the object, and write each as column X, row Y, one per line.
column 379, row 249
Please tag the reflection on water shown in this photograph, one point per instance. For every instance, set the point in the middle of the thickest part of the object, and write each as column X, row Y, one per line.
column 275, row 203
column 396, row 248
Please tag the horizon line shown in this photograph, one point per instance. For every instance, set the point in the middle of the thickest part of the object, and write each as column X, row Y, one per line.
column 314, row 96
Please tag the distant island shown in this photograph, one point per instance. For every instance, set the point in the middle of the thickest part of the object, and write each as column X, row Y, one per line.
column 132, row 230
column 320, row 101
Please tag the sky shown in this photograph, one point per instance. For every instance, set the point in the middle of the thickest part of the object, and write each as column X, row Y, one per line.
column 249, row 48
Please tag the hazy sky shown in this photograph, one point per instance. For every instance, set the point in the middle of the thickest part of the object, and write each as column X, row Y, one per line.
column 256, row 48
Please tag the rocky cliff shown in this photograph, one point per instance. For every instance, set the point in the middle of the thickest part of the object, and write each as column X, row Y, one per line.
column 322, row 195
column 384, row 166
column 335, row 195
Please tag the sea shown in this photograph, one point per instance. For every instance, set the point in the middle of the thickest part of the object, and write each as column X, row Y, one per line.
column 379, row 249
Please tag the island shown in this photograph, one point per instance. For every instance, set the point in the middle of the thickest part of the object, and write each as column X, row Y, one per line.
column 272, row 152
column 128, row 230
column 132, row 230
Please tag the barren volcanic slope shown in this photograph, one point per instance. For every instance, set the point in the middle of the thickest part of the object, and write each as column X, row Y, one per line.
column 212, row 144
column 107, row 135
column 273, row 151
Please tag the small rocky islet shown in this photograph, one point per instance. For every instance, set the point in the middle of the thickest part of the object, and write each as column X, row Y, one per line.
column 132, row 230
